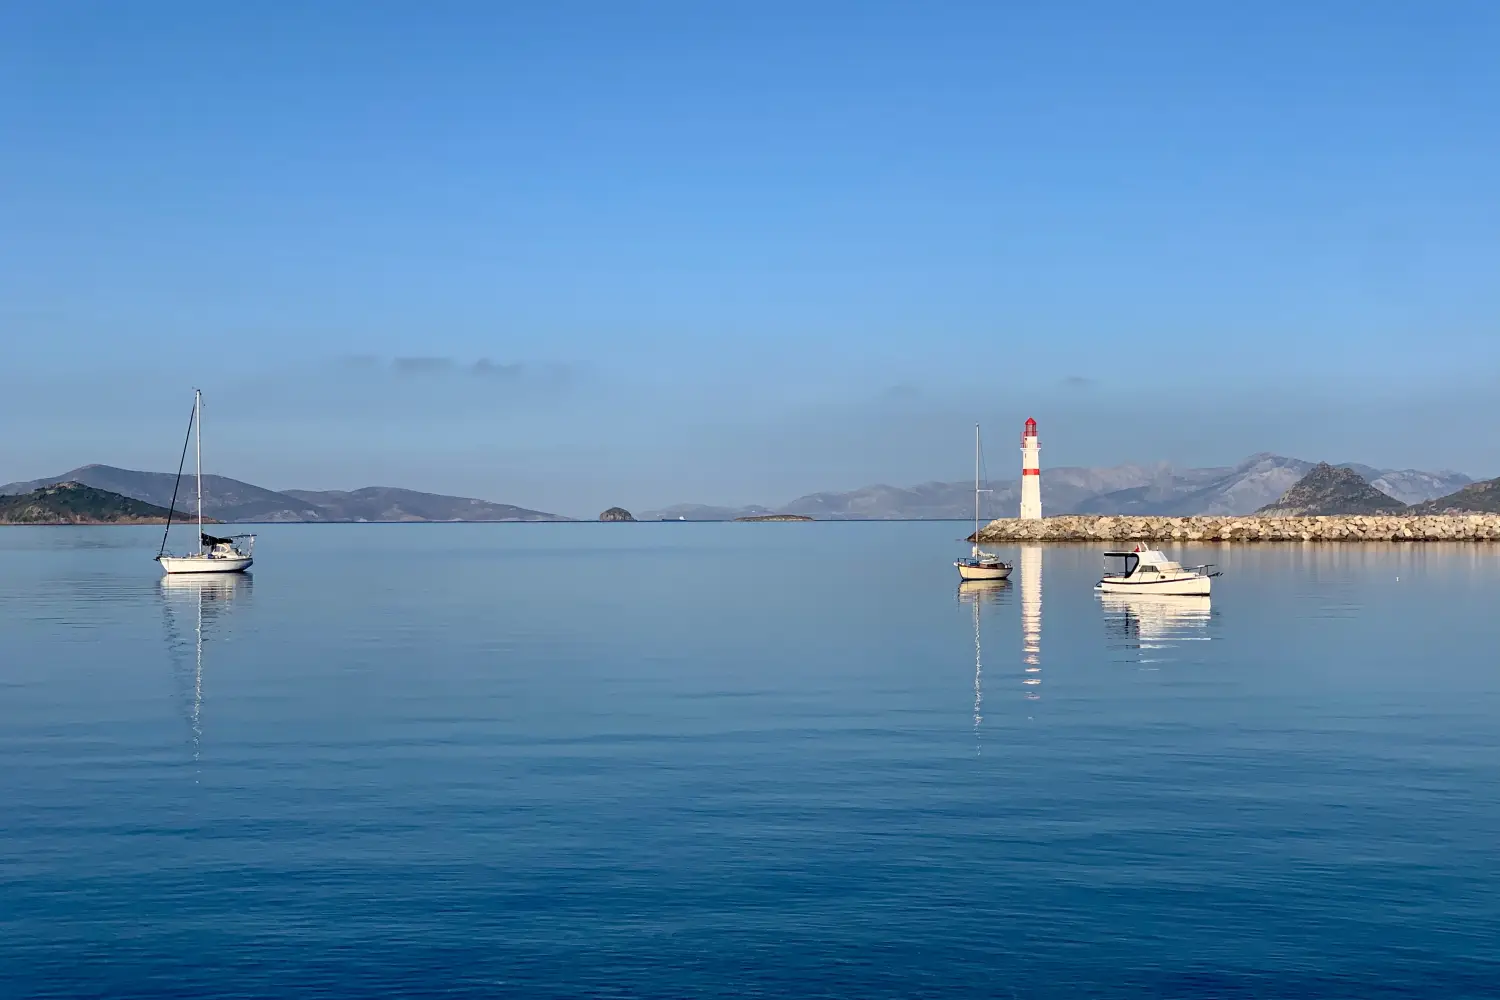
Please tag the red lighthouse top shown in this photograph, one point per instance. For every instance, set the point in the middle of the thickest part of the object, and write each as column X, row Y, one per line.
column 1030, row 428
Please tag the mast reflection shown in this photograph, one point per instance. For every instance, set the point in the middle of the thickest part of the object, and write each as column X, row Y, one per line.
column 978, row 593
column 193, row 605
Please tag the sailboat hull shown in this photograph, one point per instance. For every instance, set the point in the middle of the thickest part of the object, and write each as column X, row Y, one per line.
column 205, row 564
column 969, row 571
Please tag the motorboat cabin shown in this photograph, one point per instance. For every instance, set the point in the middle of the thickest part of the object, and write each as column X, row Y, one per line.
column 1144, row 570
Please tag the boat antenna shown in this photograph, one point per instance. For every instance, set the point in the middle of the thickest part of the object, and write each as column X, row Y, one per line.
column 172, row 508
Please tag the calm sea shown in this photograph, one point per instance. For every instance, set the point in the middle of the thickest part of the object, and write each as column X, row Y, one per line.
column 714, row 760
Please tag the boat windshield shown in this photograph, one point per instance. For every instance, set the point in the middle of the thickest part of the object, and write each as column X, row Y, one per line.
column 241, row 544
column 1120, row 563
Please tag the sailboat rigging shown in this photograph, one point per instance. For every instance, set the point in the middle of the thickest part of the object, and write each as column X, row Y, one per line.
column 980, row 565
column 215, row 554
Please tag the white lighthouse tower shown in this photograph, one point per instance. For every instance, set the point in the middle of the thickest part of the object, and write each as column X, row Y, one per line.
column 1031, row 474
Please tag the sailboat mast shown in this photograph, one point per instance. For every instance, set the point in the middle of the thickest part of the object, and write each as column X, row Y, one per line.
column 177, row 483
column 198, row 426
column 976, row 488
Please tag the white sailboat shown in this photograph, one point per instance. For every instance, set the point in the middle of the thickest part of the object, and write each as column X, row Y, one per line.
column 980, row 565
column 214, row 555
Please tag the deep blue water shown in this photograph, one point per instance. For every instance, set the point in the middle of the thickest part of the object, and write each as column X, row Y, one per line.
column 682, row 760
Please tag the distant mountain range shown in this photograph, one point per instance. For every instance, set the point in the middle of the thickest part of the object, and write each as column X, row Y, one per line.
column 1256, row 482
column 231, row 500
column 1123, row 489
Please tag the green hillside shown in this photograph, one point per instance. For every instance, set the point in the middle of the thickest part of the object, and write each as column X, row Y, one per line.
column 74, row 503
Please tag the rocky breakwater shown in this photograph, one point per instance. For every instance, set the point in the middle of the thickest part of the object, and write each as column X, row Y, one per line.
column 1250, row 528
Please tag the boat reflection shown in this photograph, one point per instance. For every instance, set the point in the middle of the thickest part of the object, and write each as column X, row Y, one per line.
column 1031, row 619
column 1154, row 623
column 978, row 593
column 193, row 605
column 210, row 586
column 982, row 591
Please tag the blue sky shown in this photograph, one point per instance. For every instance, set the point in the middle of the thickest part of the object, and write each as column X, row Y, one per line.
column 737, row 252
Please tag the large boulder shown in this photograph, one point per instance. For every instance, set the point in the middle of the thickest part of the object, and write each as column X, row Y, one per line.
column 617, row 514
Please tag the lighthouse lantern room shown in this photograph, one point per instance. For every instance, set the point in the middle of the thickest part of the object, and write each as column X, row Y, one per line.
column 1031, row 473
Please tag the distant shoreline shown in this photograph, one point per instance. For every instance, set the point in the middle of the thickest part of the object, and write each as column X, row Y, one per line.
column 1062, row 529
column 574, row 521
column 774, row 517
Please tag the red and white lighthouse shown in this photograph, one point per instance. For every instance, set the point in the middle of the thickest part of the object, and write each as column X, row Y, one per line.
column 1031, row 473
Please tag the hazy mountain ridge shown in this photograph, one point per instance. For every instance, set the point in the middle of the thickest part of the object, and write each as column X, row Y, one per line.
column 1413, row 487
column 234, row 501
column 1329, row 490
column 1475, row 498
column 1124, row 489
column 390, row 503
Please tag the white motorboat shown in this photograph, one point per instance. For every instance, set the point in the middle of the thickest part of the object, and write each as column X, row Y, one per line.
column 980, row 565
column 1145, row 570
column 232, row 554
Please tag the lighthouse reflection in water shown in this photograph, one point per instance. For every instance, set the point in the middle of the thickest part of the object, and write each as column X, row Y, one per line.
column 1031, row 619
column 194, row 606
